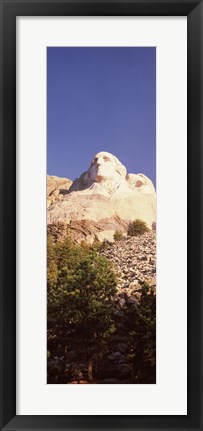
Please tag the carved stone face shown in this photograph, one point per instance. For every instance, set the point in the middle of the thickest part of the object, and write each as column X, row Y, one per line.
column 106, row 167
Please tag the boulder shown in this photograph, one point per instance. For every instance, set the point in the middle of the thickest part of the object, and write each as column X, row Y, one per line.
column 56, row 186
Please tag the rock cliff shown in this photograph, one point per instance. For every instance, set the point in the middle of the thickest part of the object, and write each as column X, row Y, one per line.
column 106, row 197
column 56, row 188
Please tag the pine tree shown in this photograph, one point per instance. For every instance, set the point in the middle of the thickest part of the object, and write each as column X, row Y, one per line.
column 80, row 306
column 141, row 325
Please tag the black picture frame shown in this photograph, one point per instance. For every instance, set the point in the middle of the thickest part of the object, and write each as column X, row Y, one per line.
column 193, row 9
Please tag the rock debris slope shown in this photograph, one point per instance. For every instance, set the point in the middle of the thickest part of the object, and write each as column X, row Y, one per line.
column 134, row 260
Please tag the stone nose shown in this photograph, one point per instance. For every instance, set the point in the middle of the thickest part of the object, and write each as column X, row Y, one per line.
column 100, row 161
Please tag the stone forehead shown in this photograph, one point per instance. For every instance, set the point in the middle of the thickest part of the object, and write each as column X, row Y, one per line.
column 110, row 156
column 105, row 153
column 119, row 167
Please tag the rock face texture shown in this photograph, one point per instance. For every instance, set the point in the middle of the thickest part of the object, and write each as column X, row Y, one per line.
column 107, row 197
column 85, row 230
column 56, row 188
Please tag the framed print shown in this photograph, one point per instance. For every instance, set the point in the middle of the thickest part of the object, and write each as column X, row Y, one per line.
column 107, row 197
column 101, row 289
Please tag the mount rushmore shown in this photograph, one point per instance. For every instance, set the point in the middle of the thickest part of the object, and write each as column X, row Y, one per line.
column 101, row 200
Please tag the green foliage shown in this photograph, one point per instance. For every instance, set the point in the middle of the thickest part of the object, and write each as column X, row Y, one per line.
column 141, row 326
column 52, row 274
column 137, row 227
column 85, row 320
column 84, row 244
column 80, row 299
column 96, row 246
column 118, row 235
column 50, row 250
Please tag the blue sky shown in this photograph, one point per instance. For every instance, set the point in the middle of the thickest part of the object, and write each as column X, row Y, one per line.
column 101, row 99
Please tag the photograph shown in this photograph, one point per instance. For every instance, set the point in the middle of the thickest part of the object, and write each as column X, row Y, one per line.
column 101, row 215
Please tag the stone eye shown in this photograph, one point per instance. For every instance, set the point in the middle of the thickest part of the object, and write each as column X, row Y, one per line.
column 106, row 159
